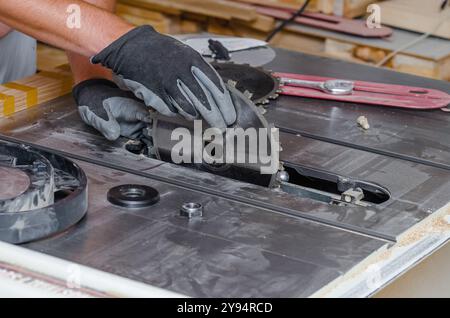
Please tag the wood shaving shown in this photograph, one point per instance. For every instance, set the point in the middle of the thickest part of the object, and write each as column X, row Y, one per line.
column 363, row 122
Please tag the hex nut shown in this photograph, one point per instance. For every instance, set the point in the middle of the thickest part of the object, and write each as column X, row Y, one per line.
column 191, row 210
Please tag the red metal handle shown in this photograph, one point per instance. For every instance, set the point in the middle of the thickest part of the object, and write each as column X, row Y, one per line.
column 373, row 93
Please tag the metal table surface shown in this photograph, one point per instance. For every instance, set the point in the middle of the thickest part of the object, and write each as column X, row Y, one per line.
column 421, row 136
column 253, row 241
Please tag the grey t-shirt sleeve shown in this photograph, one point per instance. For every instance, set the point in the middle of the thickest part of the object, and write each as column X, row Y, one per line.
column 17, row 56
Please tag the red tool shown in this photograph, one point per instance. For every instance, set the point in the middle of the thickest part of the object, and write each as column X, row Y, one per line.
column 365, row 92
column 332, row 23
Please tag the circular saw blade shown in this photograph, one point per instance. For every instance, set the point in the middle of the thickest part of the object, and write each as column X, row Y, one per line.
column 261, row 84
column 248, row 116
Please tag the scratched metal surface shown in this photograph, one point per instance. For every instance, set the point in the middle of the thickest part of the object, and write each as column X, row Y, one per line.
column 415, row 135
column 236, row 250
column 57, row 126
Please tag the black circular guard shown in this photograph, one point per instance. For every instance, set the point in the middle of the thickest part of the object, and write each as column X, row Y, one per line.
column 133, row 196
column 260, row 83
column 67, row 181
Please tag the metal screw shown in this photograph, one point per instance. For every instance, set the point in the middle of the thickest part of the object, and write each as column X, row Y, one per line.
column 283, row 176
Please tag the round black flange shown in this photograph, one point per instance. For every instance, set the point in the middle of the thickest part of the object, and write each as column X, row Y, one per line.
column 133, row 196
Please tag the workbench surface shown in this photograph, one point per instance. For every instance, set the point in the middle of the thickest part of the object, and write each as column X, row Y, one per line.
column 253, row 241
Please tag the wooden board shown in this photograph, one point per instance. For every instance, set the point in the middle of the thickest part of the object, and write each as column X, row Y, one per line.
column 221, row 9
column 417, row 15
column 138, row 16
column 417, row 60
column 439, row 69
column 441, row 47
column 31, row 91
column 49, row 58
column 345, row 8
column 177, row 16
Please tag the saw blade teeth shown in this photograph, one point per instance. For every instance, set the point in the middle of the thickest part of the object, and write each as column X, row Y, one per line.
column 262, row 110
column 232, row 83
column 257, row 73
column 273, row 97
column 248, row 94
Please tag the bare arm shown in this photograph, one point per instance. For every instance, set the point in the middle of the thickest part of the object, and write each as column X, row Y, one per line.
column 4, row 29
column 155, row 67
column 82, row 68
column 46, row 20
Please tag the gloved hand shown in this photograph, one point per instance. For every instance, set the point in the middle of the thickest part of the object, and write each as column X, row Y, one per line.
column 110, row 110
column 169, row 76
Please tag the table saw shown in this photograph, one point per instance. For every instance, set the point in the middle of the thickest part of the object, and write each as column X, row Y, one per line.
column 295, row 240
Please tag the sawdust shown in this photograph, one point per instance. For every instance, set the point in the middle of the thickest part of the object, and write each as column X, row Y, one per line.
column 363, row 122
column 439, row 223
column 376, row 259
column 356, row 273
column 436, row 225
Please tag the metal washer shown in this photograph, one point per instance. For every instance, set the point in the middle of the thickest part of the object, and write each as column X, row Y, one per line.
column 133, row 196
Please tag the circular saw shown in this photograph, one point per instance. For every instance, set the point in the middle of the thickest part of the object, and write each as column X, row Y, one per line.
column 249, row 163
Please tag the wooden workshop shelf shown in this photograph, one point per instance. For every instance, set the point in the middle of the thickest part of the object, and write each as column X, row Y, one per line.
column 33, row 90
column 417, row 15
column 240, row 19
column 344, row 8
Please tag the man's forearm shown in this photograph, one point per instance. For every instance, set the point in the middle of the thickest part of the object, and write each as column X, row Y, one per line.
column 46, row 20
column 4, row 29
column 82, row 68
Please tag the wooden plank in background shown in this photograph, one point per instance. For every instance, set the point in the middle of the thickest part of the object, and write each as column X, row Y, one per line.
column 31, row 91
column 221, row 9
column 283, row 4
column 418, row 60
column 417, row 15
column 345, row 8
column 49, row 58
column 139, row 16
column 262, row 23
column 155, row 5
column 141, row 12
column 441, row 47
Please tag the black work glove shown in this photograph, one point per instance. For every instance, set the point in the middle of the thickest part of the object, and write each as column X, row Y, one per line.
column 169, row 76
column 110, row 110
